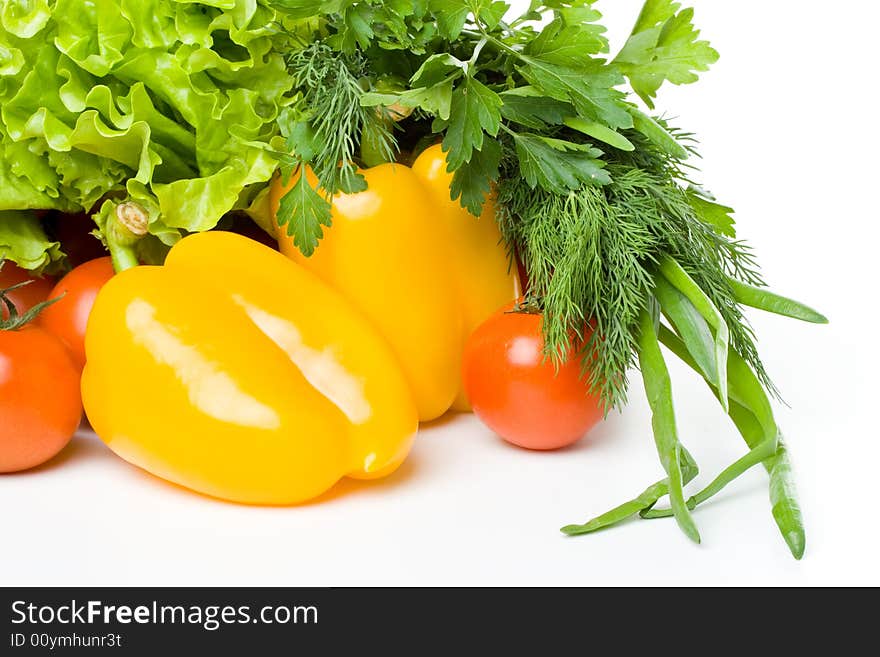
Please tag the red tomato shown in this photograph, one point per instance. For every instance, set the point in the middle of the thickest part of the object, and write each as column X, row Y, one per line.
column 520, row 395
column 67, row 318
column 25, row 297
column 39, row 398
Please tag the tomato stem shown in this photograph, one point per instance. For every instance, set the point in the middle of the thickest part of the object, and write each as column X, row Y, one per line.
column 16, row 320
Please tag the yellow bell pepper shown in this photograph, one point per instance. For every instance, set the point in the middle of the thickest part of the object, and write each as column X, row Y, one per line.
column 417, row 264
column 236, row 373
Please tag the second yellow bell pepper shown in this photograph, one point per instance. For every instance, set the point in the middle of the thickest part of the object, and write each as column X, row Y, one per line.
column 234, row 372
column 424, row 270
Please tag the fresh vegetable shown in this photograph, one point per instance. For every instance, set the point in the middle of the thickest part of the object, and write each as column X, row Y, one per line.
column 170, row 104
column 39, row 391
column 752, row 414
column 22, row 238
column 216, row 372
column 478, row 264
column 423, row 270
column 521, row 395
column 23, row 297
column 75, row 295
column 658, row 387
column 166, row 124
column 593, row 194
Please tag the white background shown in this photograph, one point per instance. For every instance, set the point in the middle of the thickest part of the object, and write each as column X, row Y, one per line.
column 789, row 134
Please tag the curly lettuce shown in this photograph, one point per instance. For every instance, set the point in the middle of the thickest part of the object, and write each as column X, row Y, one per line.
column 23, row 241
column 169, row 104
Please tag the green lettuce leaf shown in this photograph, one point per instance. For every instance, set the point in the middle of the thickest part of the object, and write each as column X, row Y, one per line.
column 23, row 241
column 168, row 103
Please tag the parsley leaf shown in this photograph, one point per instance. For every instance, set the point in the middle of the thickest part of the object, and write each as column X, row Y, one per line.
column 528, row 107
column 490, row 13
column 556, row 165
column 579, row 13
column 301, row 137
column 663, row 47
column 451, row 16
column 304, row 211
column 591, row 88
column 436, row 68
column 473, row 180
column 356, row 29
column 476, row 110
column 568, row 45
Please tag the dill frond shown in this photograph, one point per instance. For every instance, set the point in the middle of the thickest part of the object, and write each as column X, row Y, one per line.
column 591, row 256
column 332, row 84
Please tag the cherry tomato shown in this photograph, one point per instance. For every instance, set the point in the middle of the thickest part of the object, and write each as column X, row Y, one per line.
column 25, row 297
column 67, row 318
column 520, row 395
column 39, row 398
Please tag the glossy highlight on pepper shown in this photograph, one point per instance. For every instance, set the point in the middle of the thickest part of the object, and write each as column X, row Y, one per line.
column 216, row 372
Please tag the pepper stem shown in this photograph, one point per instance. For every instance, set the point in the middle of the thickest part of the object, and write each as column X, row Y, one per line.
column 123, row 231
